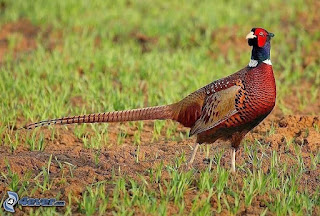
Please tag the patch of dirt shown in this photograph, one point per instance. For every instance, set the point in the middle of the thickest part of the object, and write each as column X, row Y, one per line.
column 22, row 33
column 78, row 101
column 21, row 37
column 300, row 129
column 144, row 41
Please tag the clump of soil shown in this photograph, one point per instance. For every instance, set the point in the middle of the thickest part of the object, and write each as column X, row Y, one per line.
column 300, row 129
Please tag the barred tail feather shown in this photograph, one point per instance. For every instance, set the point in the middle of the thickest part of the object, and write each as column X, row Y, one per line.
column 149, row 113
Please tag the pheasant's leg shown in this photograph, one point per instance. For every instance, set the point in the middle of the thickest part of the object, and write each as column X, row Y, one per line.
column 233, row 159
column 195, row 149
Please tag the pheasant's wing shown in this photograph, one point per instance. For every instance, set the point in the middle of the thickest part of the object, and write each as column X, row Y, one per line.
column 217, row 108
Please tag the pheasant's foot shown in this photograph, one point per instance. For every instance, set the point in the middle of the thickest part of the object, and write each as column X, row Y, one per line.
column 233, row 160
column 193, row 155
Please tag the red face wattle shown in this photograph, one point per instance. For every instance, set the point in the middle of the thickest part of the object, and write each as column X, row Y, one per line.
column 261, row 36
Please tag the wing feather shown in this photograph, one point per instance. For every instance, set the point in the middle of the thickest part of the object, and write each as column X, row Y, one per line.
column 218, row 107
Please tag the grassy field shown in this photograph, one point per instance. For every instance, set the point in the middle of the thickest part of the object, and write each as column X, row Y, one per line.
column 60, row 58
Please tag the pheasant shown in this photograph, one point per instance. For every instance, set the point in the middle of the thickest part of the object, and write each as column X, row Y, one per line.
column 226, row 109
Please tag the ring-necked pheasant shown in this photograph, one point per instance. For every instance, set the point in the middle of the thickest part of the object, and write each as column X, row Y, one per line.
column 225, row 109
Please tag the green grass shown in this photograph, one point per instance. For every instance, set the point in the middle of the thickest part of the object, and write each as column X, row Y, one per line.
column 120, row 73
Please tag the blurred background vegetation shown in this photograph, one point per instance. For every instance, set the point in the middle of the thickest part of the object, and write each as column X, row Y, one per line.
column 112, row 55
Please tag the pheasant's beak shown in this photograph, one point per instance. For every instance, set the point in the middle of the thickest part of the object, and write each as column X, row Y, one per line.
column 250, row 36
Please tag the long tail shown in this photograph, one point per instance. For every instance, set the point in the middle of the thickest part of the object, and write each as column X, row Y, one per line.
column 149, row 113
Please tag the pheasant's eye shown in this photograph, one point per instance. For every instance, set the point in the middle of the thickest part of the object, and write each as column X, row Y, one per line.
column 261, row 34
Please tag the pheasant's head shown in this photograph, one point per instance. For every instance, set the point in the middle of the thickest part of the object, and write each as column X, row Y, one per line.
column 259, row 39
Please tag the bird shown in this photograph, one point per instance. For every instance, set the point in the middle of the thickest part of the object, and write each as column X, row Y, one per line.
column 225, row 109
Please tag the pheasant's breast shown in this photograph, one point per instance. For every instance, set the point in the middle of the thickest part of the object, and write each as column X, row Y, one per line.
column 260, row 90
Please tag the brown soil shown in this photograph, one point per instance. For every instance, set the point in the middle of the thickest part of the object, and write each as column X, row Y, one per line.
column 144, row 41
column 23, row 32
column 22, row 36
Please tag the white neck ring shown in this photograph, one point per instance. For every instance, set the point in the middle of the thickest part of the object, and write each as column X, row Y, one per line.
column 254, row 63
